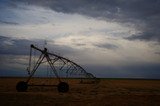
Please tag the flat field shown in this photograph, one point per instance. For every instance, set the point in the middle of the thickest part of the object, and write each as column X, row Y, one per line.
column 108, row 92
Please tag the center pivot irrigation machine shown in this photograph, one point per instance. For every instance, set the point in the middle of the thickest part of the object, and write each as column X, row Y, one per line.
column 57, row 65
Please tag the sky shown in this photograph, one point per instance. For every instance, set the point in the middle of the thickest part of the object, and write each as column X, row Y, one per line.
column 108, row 38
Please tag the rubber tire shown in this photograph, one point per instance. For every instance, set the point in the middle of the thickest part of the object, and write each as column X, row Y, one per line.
column 63, row 87
column 22, row 86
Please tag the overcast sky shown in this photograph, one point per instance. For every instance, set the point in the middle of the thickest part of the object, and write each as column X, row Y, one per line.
column 109, row 38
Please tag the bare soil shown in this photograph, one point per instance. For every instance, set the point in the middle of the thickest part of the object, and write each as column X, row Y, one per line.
column 108, row 92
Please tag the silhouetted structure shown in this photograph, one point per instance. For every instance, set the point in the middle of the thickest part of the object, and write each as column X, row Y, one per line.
column 57, row 64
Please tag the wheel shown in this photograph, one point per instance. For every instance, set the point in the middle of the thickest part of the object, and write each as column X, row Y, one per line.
column 63, row 87
column 22, row 86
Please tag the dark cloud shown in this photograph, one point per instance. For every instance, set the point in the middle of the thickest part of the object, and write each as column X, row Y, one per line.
column 14, row 54
column 79, row 44
column 144, row 14
column 158, row 53
column 13, row 46
column 106, row 46
column 145, row 36
column 7, row 4
column 7, row 22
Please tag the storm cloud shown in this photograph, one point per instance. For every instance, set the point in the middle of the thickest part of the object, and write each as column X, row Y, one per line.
column 107, row 46
column 144, row 14
column 12, row 46
column 10, row 23
column 109, row 38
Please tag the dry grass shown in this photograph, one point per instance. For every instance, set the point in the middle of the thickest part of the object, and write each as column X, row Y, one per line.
column 107, row 92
